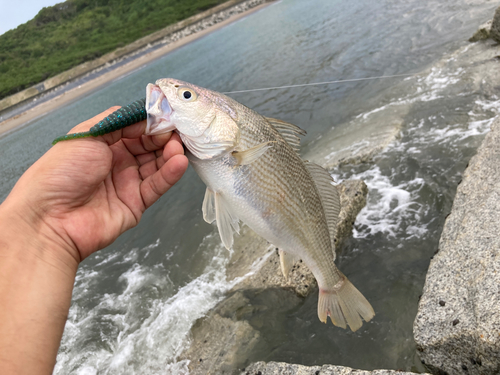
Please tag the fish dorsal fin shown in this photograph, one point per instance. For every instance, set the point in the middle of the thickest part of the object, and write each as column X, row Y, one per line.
column 226, row 220
column 329, row 196
column 286, row 262
column 208, row 206
column 291, row 133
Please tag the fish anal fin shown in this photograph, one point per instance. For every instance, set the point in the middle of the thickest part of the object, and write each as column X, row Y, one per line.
column 329, row 196
column 345, row 305
column 226, row 221
column 290, row 133
column 208, row 207
column 250, row 155
column 286, row 262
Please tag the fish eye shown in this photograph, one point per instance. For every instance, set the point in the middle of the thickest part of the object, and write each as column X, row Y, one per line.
column 187, row 94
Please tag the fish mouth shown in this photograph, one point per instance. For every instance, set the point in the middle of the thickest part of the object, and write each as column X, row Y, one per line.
column 159, row 111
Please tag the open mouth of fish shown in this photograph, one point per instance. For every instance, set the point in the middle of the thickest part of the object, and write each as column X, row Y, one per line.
column 159, row 111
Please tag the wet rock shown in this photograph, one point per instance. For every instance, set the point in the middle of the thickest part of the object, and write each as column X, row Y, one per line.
column 281, row 368
column 222, row 340
column 218, row 345
column 489, row 29
column 482, row 33
column 464, row 333
column 495, row 26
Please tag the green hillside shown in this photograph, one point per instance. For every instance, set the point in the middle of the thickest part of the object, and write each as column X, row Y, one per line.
column 70, row 33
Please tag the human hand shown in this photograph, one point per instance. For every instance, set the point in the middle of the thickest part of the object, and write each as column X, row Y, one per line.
column 77, row 198
column 83, row 193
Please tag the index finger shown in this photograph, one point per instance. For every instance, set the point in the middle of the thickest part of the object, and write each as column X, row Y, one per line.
column 146, row 143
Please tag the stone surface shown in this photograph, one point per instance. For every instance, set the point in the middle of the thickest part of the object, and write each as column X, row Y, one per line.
column 495, row 27
column 231, row 330
column 281, row 368
column 457, row 328
column 219, row 343
column 482, row 33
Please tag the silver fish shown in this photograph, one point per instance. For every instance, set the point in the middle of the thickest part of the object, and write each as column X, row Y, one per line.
column 253, row 172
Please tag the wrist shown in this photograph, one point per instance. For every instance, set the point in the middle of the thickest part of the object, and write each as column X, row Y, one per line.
column 36, row 281
column 26, row 235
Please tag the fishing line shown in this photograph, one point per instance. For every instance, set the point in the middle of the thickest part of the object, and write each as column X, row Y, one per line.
column 320, row 83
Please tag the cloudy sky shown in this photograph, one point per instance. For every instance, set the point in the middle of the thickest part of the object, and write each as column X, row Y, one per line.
column 14, row 13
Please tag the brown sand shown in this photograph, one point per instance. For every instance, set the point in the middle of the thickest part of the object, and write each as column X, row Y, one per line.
column 25, row 118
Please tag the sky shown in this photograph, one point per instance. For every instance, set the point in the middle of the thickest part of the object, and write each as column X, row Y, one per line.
column 16, row 12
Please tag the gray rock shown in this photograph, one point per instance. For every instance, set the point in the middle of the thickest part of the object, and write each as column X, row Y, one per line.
column 490, row 29
column 495, row 27
column 482, row 33
column 457, row 326
column 219, row 344
column 281, row 368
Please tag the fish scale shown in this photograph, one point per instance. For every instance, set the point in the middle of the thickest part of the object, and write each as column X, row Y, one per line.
column 288, row 178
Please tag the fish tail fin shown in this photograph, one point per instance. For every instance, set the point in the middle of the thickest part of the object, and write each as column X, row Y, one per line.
column 72, row 136
column 344, row 304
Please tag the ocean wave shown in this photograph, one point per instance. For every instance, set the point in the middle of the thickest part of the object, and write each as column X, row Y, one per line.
column 138, row 331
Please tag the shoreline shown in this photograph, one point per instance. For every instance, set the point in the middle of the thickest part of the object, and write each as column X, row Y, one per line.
column 25, row 118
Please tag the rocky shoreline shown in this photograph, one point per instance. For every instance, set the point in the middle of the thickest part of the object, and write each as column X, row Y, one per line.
column 280, row 368
column 457, row 327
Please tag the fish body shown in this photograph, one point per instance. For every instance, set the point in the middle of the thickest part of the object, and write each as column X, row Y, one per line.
column 253, row 172
column 274, row 195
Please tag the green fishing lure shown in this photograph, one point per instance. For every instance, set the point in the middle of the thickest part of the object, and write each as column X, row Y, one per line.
column 125, row 116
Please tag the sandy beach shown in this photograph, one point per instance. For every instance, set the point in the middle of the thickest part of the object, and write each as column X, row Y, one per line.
column 25, row 118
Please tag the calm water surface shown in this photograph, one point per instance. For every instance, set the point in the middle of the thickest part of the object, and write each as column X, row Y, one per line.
column 135, row 301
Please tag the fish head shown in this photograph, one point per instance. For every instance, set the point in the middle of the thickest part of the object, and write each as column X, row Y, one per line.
column 204, row 120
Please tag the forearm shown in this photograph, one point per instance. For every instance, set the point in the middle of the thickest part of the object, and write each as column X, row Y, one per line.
column 36, row 281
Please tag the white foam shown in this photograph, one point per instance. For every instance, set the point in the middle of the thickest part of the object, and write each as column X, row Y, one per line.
column 388, row 206
column 139, row 336
column 366, row 114
column 428, row 88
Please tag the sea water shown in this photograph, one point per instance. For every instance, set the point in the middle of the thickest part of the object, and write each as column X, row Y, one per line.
column 135, row 301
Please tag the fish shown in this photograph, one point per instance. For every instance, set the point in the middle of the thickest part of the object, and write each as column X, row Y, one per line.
column 253, row 174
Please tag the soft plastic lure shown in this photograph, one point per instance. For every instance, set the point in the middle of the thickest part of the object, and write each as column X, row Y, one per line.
column 125, row 116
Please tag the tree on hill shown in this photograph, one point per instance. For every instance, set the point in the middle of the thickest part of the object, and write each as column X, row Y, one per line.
column 72, row 32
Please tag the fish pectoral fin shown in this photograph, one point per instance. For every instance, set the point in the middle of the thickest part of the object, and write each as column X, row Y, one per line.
column 286, row 262
column 249, row 156
column 208, row 207
column 226, row 221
